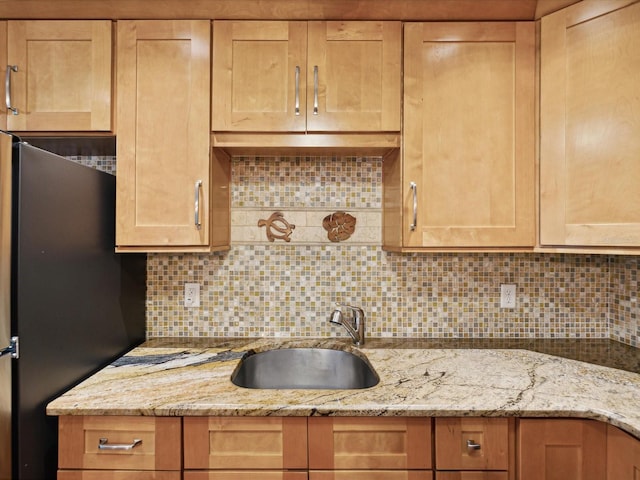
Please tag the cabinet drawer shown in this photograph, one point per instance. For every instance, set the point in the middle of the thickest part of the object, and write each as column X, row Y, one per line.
column 369, row 443
column 472, row 476
column 116, row 475
column 372, row 475
column 80, row 438
column 245, row 443
column 246, row 475
column 473, row 443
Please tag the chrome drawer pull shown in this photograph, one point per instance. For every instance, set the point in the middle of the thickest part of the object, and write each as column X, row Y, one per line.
column 104, row 445
column 196, row 204
column 7, row 88
column 471, row 445
column 297, row 90
column 414, row 190
column 315, row 90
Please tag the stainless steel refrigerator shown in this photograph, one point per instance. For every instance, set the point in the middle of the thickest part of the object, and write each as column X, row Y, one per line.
column 69, row 304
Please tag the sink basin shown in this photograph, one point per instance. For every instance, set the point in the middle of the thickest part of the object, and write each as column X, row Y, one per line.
column 304, row 368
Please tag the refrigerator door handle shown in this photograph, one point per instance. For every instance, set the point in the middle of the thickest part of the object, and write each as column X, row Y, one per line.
column 13, row 349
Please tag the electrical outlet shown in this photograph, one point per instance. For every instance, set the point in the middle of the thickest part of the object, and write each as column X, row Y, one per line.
column 508, row 295
column 191, row 294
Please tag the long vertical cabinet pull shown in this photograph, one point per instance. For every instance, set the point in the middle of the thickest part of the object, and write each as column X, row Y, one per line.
column 414, row 190
column 7, row 87
column 315, row 90
column 298, row 90
column 198, row 187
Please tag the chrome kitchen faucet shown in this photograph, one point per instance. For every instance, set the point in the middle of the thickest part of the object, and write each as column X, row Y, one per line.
column 353, row 322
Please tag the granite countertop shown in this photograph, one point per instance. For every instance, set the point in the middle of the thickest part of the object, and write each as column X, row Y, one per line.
column 178, row 377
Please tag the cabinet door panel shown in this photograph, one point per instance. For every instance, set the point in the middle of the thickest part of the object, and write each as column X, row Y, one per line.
column 472, row 476
column 358, row 73
column 63, row 81
column 116, row 475
column 371, row 475
column 555, row 449
column 245, row 475
column 492, row 435
column 623, row 455
column 159, row 449
column 469, row 134
column 163, row 138
column 590, row 127
column 245, row 443
column 254, row 76
column 369, row 443
column 4, row 63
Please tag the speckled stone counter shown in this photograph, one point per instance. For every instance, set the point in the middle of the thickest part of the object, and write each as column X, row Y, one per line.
column 185, row 378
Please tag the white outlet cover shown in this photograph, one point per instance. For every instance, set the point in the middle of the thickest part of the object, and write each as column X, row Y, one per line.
column 508, row 295
column 191, row 294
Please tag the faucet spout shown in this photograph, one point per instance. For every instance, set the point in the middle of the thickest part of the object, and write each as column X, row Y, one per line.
column 354, row 324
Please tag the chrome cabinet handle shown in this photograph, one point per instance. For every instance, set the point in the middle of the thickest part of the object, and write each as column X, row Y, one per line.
column 414, row 189
column 7, row 88
column 315, row 89
column 198, row 187
column 471, row 445
column 103, row 444
column 297, row 90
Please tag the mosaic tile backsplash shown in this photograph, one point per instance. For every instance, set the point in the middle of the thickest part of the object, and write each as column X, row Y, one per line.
column 288, row 289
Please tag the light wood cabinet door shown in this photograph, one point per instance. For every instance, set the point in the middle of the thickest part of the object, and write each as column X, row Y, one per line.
column 371, row 475
column 623, row 455
column 245, row 475
column 557, row 449
column 474, row 443
column 62, row 79
column 163, row 183
column 116, row 475
column 590, row 127
column 469, row 142
column 3, row 63
column 343, row 443
column 278, row 76
column 81, row 444
column 259, row 76
column 472, row 476
column 353, row 76
column 245, row 443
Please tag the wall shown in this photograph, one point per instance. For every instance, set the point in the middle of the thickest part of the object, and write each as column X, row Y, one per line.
column 280, row 288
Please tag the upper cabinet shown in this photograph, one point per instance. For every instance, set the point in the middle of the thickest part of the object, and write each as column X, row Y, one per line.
column 58, row 75
column 168, row 191
column 590, row 126
column 466, row 178
column 325, row 76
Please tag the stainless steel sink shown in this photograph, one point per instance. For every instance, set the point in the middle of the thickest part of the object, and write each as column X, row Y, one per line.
column 304, row 368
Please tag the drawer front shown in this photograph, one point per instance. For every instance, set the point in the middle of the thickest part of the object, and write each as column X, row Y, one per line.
column 245, row 475
column 473, row 443
column 244, row 443
column 341, row 443
column 80, row 439
column 117, row 475
column 472, row 476
column 371, row 475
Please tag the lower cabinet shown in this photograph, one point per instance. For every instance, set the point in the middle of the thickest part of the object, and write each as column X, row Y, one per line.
column 472, row 476
column 245, row 475
column 119, row 448
column 371, row 475
column 562, row 449
column 623, row 455
column 343, row 448
column 245, row 443
column 391, row 443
